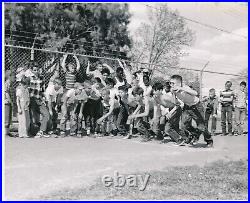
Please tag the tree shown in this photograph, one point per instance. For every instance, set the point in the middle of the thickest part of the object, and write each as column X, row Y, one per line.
column 243, row 76
column 161, row 40
column 95, row 29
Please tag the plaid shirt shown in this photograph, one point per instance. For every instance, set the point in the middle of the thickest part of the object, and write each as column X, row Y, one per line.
column 36, row 88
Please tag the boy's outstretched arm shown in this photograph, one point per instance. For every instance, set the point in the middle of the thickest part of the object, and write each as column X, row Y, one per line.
column 189, row 90
column 64, row 62
column 77, row 63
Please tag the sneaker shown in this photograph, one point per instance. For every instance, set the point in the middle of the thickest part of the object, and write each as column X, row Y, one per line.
column 210, row 145
column 46, row 135
column 230, row 134
column 39, row 134
column 50, row 133
column 164, row 141
column 146, row 139
column 181, row 142
column 62, row 134
column 127, row 137
column 194, row 141
column 72, row 134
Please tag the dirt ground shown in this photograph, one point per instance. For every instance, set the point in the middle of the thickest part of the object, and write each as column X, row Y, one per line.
column 35, row 167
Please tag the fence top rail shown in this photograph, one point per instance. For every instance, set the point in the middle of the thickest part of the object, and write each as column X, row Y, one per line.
column 115, row 59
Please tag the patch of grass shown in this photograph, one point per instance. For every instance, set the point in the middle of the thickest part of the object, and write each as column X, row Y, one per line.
column 217, row 181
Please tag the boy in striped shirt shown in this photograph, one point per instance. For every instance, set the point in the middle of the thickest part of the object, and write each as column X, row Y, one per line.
column 70, row 68
column 226, row 100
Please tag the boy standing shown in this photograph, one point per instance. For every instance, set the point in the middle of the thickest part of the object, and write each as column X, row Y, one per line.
column 240, row 108
column 37, row 104
column 192, row 107
column 7, row 104
column 226, row 100
column 211, row 105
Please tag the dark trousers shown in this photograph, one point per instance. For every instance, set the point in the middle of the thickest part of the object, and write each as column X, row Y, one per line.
column 53, row 122
column 36, row 109
column 93, row 110
column 7, row 119
column 172, row 125
column 226, row 115
column 195, row 112
column 214, row 120
column 122, row 118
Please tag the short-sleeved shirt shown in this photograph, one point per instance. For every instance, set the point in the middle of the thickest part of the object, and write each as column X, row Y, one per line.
column 36, row 88
column 24, row 96
column 227, row 98
column 118, row 83
column 240, row 99
column 51, row 92
column 186, row 98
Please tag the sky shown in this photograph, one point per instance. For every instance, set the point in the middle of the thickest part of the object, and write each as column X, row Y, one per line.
column 226, row 53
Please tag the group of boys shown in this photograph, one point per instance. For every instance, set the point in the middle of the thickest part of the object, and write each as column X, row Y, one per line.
column 230, row 101
column 106, row 104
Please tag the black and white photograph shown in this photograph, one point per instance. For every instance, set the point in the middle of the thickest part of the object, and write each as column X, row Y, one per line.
column 125, row 101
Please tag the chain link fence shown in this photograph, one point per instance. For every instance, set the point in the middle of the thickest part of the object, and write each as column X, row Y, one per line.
column 17, row 58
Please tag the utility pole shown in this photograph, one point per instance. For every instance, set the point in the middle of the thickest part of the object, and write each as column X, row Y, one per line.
column 201, row 75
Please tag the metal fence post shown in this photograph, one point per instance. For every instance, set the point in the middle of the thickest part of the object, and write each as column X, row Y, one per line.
column 201, row 75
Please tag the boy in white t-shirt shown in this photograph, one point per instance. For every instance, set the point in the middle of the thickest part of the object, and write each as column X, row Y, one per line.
column 53, row 95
